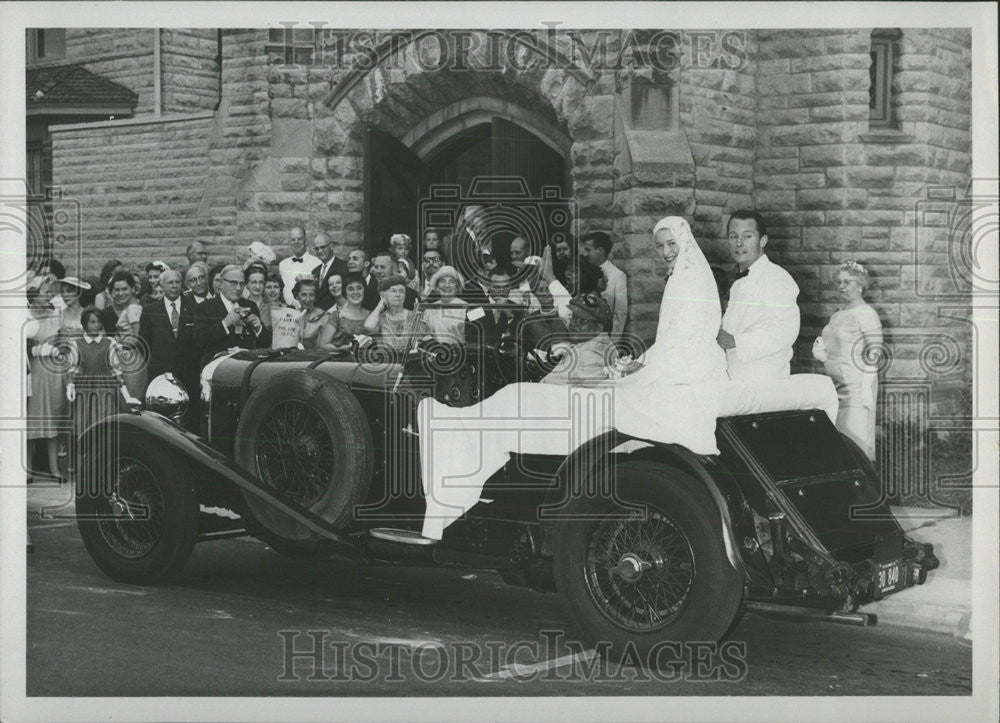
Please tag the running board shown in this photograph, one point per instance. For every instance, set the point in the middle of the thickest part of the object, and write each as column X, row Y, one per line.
column 837, row 616
column 403, row 537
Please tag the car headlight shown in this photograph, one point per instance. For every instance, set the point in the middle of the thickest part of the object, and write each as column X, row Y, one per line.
column 167, row 396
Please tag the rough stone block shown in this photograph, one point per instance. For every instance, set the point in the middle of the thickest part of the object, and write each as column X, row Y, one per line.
column 813, row 134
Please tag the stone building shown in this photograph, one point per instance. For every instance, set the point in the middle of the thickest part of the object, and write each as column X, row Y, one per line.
column 837, row 136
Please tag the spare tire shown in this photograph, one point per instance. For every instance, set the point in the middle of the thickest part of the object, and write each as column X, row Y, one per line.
column 305, row 436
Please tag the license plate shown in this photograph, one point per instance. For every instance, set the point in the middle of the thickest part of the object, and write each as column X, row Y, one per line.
column 889, row 577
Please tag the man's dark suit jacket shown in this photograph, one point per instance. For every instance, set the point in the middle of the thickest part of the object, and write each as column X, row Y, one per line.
column 210, row 336
column 372, row 296
column 324, row 299
column 177, row 355
column 489, row 328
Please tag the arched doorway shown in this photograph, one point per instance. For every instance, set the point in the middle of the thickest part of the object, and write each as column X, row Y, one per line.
column 490, row 161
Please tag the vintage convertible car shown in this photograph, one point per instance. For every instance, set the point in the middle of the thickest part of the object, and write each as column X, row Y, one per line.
column 317, row 454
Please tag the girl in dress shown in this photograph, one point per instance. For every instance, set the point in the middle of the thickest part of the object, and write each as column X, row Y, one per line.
column 845, row 348
column 343, row 324
column 95, row 376
column 400, row 247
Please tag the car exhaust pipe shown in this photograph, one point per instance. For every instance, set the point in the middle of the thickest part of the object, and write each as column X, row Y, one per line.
column 840, row 617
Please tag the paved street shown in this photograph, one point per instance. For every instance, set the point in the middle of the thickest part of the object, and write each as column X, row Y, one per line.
column 227, row 626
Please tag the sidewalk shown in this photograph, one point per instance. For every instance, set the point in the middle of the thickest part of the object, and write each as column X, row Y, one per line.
column 944, row 602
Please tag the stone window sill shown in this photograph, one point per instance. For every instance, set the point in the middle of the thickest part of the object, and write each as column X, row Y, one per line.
column 885, row 135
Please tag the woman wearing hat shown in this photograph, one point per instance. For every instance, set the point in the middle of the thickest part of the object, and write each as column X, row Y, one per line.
column 396, row 326
column 845, row 348
column 447, row 325
column 47, row 405
column 70, row 289
column 122, row 320
column 586, row 361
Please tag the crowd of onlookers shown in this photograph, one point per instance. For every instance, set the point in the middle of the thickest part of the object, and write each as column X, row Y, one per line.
column 96, row 343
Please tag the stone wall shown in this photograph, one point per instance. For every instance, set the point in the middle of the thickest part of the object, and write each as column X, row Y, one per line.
column 124, row 55
column 139, row 186
column 189, row 69
column 189, row 75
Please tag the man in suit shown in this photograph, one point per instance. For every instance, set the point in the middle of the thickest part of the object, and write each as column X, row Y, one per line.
column 761, row 321
column 329, row 265
column 596, row 248
column 300, row 262
column 359, row 263
column 167, row 329
column 384, row 266
column 196, row 280
column 228, row 319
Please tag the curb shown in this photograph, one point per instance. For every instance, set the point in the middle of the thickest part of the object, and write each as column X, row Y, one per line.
column 944, row 611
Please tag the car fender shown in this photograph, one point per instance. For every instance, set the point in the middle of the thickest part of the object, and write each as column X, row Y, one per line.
column 207, row 463
column 597, row 456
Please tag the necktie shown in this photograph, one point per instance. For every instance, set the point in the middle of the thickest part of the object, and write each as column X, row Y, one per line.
column 741, row 274
column 174, row 317
column 297, row 259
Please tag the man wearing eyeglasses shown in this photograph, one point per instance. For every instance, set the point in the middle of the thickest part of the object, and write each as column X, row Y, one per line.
column 196, row 280
column 229, row 320
column 322, row 247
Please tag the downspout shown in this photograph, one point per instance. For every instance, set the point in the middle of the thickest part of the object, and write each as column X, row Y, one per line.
column 157, row 84
column 218, row 65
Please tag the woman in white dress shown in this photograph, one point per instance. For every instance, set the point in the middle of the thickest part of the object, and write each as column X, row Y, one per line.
column 685, row 350
column 845, row 349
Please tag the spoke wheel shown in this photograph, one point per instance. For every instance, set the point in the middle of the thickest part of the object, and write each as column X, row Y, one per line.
column 133, row 520
column 648, row 566
column 142, row 530
column 296, row 452
column 306, row 437
column 639, row 571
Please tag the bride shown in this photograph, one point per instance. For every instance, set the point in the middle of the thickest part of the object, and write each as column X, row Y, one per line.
column 663, row 398
column 685, row 350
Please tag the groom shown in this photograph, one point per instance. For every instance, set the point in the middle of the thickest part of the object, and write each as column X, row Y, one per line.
column 762, row 319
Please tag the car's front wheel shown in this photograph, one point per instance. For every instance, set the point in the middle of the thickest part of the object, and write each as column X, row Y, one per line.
column 140, row 525
column 650, row 571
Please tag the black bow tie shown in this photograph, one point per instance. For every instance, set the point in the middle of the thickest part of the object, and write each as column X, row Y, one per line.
column 741, row 274
column 297, row 259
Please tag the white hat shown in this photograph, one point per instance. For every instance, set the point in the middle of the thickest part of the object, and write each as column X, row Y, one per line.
column 263, row 252
column 74, row 281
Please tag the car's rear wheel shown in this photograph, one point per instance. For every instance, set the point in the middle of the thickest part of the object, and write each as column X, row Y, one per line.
column 305, row 436
column 143, row 528
column 632, row 579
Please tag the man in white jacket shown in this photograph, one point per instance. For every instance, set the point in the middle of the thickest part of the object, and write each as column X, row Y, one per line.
column 761, row 322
